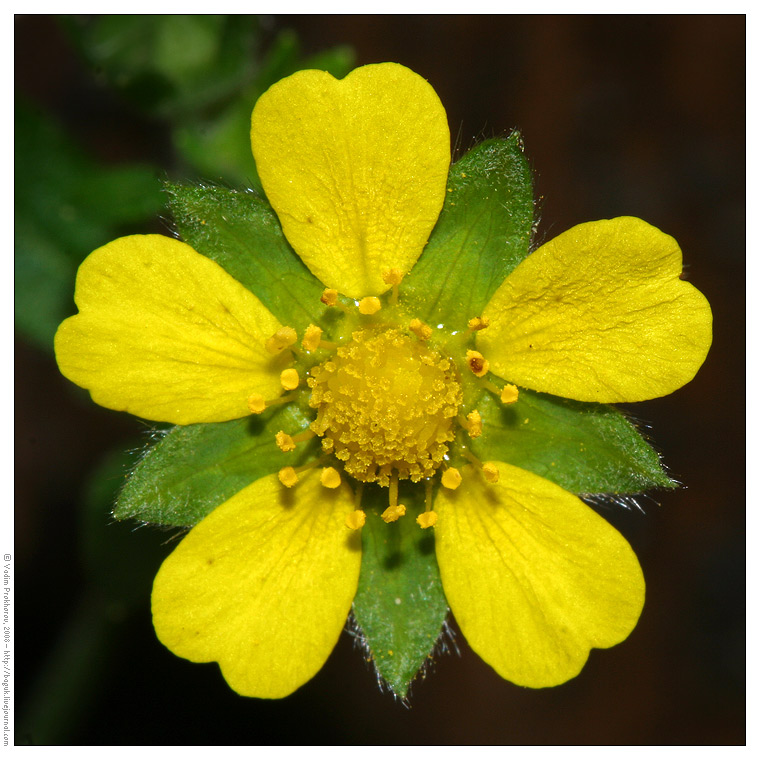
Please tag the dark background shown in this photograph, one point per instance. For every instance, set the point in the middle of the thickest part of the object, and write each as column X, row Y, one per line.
column 621, row 115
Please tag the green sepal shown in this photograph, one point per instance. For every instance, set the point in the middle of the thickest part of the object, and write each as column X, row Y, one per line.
column 240, row 231
column 482, row 234
column 585, row 448
column 399, row 606
column 195, row 468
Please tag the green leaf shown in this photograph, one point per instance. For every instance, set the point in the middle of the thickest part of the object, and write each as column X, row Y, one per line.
column 399, row 605
column 482, row 234
column 239, row 231
column 585, row 448
column 195, row 468
column 65, row 206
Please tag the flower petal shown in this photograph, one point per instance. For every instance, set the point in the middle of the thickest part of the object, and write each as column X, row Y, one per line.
column 534, row 577
column 166, row 334
column 599, row 314
column 263, row 585
column 356, row 170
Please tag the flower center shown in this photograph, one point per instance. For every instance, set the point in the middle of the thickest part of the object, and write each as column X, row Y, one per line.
column 386, row 402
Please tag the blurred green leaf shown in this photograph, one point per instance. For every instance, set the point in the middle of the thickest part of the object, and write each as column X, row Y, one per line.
column 169, row 66
column 585, row 448
column 399, row 605
column 482, row 234
column 65, row 206
column 202, row 74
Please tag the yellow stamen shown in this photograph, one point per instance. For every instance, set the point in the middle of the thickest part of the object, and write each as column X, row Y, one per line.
column 420, row 329
column 369, row 305
column 509, row 394
column 284, row 441
column 282, row 339
column 477, row 363
column 395, row 510
column 491, row 472
column 427, row 519
column 393, row 513
column 451, row 479
column 475, row 424
column 489, row 469
column 330, row 477
column 356, row 520
column 393, row 277
column 311, row 338
column 256, row 403
column 329, row 297
column 288, row 477
column 289, row 379
column 478, row 323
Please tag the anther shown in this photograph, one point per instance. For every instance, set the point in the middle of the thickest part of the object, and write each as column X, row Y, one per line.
column 329, row 297
column 420, row 329
column 509, row 394
column 474, row 424
column 289, row 379
column 284, row 441
column 282, row 339
column 393, row 277
column 330, row 477
column 393, row 513
column 288, row 476
column 427, row 519
column 256, row 403
column 356, row 520
column 451, row 479
column 477, row 363
column 489, row 469
column 311, row 338
column 369, row 305
column 288, row 442
column 491, row 472
column 478, row 323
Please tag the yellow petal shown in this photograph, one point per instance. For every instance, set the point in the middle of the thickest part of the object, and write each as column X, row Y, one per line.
column 166, row 334
column 356, row 170
column 534, row 577
column 263, row 585
column 599, row 314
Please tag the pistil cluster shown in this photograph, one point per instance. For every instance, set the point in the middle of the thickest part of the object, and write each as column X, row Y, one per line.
column 385, row 402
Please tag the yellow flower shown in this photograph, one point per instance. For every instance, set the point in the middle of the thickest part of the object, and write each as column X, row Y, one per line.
column 357, row 170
